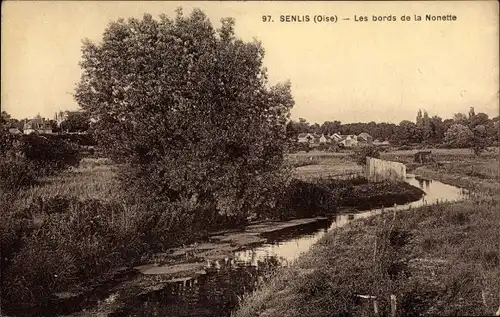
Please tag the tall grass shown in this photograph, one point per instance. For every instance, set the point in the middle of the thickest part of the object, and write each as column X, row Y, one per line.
column 437, row 260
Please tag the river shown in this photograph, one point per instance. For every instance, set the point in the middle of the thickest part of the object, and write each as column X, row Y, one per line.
column 218, row 292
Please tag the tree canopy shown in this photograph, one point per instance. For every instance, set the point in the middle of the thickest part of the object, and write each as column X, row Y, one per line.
column 458, row 135
column 189, row 109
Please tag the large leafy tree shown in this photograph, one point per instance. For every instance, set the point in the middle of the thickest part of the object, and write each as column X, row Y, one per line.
column 76, row 122
column 437, row 128
column 409, row 132
column 480, row 139
column 458, row 136
column 189, row 110
column 427, row 134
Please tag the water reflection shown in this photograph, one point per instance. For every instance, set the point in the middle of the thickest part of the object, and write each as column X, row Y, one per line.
column 213, row 294
column 218, row 291
column 435, row 192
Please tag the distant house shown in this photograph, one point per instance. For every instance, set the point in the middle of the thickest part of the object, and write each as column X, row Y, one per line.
column 350, row 140
column 325, row 139
column 305, row 138
column 317, row 138
column 37, row 125
column 378, row 143
column 337, row 137
column 15, row 131
column 364, row 139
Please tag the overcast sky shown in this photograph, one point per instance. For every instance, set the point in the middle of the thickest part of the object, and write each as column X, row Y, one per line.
column 348, row 71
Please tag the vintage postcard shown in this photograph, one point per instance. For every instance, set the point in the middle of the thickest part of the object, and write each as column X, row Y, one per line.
column 249, row 158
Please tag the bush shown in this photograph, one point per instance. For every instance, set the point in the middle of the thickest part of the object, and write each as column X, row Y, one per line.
column 50, row 155
column 16, row 173
column 458, row 136
column 306, row 199
column 86, row 139
column 360, row 154
column 25, row 158
column 295, row 147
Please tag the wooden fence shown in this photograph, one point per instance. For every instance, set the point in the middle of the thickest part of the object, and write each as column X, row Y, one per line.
column 379, row 170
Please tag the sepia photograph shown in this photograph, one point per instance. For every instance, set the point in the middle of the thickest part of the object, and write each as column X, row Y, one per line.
column 249, row 158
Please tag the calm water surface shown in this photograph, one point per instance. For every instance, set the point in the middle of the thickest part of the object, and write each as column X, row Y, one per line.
column 217, row 293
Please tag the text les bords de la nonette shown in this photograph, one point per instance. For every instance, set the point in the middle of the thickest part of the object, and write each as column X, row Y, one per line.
column 321, row 18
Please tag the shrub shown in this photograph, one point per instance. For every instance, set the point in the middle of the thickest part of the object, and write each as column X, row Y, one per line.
column 480, row 140
column 49, row 155
column 360, row 154
column 86, row 139
column 308, row 199
column 25, row 158
column 294, row 147
column 15, row 173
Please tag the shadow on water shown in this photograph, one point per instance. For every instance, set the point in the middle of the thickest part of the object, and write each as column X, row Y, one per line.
column 217, row 292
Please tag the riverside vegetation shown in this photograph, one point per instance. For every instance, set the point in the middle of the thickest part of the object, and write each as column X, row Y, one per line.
column 73, row 229
column 441, row 259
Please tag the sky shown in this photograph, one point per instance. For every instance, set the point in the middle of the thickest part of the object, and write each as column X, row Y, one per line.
column 351, row 71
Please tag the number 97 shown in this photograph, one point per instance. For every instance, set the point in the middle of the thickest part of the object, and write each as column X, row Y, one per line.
column 266, row 18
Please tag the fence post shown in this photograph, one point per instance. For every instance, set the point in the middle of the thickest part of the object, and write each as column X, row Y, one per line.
column 375, row 307
column 393, row 305
column 367, row 169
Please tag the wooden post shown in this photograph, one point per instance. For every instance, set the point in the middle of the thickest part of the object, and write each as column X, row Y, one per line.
column 375, row 307
column 393, row 305
column 483, row 296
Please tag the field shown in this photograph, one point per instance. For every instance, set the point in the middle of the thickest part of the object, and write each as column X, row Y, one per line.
column 438, row 260
column 92, row 179
column 316, row 165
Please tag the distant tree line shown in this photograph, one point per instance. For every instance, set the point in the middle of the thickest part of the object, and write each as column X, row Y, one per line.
column 460, row 131
column 76, row 122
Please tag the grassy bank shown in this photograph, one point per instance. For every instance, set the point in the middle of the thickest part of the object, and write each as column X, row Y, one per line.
column 479, row 175
column 438, row 260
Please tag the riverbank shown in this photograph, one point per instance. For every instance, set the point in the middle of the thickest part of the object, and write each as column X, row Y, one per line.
column 437, row 260
column 69, row 239
column 470, row 178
